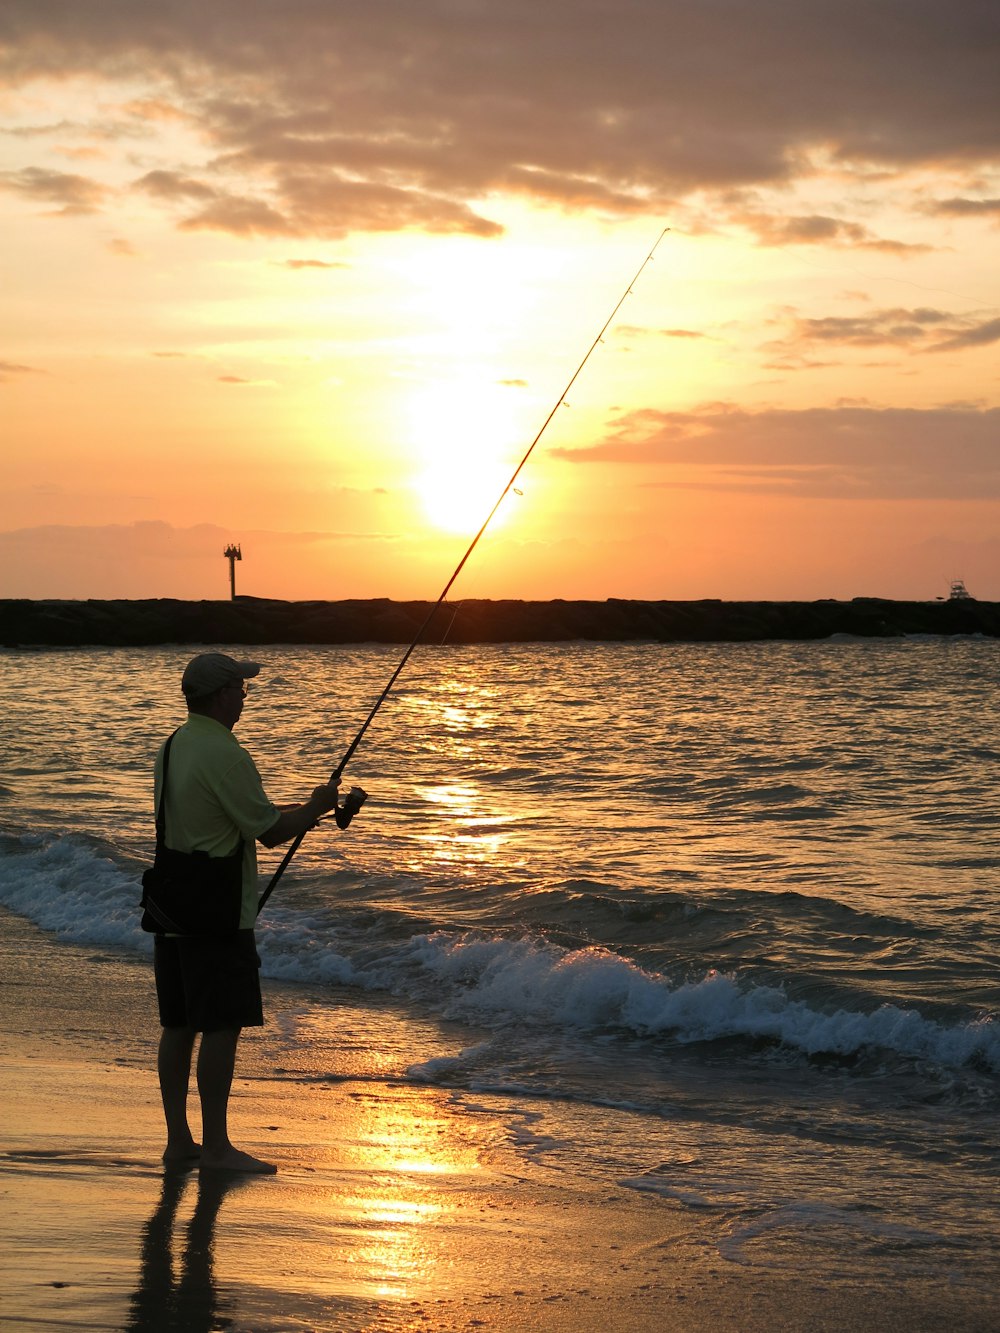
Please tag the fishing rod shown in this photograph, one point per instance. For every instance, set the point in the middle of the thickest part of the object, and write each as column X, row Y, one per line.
column 356, row 796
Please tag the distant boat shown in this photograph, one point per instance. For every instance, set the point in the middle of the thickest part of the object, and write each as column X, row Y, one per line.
column 959, row 592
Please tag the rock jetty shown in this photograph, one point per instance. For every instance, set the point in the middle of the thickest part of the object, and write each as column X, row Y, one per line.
column 253, row 620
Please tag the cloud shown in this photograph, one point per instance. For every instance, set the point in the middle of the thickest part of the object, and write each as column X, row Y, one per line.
column 966, row 207
column 896, row 326
column 635, row 331
column 218, row 210
column 296, row 264
column 252, row 384
column 151, row 540
column 152, row 558
column 829, row 453
column 151, row 108
column 240, row 217
column 69, row 193
column 304, row 205
column 816, row 229
column 320, row 119
column 980, row 335
column 173, row 185
column 919, row 328
column 8, row 369
column 39, row 131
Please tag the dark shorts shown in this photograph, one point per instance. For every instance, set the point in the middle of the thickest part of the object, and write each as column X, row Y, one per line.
column 208, row 982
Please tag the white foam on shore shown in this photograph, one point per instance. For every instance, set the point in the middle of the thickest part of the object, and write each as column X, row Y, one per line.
column 64, row 885
column 67, row 886
column 592, row 988
column 795, row 1219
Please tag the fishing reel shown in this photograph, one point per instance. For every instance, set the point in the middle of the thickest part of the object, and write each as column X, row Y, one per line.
column 345, row 811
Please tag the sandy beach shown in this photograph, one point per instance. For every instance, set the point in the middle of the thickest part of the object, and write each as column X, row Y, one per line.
column 393, row 1208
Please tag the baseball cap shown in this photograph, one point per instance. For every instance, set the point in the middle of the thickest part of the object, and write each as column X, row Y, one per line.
column 209, row 672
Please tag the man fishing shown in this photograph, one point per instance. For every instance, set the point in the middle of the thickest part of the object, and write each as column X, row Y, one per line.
column 209, row 983
column 213, row 802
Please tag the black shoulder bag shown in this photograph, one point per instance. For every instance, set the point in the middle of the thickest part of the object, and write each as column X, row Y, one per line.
column 190, row 893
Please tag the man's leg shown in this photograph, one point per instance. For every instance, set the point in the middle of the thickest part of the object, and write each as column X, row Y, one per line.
column 174, row 1068
column 216, row 1062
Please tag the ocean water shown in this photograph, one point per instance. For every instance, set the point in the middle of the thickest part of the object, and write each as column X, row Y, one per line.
column 715, row 923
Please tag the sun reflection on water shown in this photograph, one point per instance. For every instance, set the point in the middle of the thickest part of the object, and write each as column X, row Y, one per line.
column 468, row 833
column 454, row 714
column 405, row 1151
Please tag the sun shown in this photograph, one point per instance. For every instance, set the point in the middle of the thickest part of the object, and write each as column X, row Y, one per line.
column 465, row 436
column 458, row 496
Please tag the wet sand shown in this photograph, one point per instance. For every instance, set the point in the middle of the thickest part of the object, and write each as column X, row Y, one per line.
column 394, row 1207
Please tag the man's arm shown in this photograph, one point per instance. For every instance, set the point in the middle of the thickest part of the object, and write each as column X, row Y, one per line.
column 296, row 819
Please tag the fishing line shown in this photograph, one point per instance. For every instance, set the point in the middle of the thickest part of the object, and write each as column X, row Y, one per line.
column 451, row 622
column 345, row 813
column 839, row 269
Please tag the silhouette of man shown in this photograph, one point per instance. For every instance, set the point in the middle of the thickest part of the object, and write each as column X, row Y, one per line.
column 210, row 984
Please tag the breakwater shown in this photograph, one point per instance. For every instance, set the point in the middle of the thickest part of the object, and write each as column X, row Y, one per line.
column 253, row 620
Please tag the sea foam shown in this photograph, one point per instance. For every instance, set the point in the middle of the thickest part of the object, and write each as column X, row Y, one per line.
column 593, row 988
column 67, row 886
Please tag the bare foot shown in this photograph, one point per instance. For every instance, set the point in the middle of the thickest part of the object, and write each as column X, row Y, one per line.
column 181, row 1154
column 231, row 1159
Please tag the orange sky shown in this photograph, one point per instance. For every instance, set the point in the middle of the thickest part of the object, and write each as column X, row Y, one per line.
column 310, row 277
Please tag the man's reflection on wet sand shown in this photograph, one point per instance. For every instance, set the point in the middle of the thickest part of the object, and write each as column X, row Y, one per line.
column 190, row 1299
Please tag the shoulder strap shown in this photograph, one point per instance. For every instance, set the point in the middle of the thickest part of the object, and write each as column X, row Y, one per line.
column 161, row 836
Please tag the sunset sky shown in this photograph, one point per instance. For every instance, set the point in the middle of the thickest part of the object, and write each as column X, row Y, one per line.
column 309, row 275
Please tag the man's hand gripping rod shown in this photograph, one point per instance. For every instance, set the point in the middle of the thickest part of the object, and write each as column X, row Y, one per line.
column 356, row 797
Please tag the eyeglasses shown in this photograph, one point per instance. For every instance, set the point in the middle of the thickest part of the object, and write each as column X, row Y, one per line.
column 240, row 685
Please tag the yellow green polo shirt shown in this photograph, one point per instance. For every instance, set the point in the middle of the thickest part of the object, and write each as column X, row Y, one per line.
column 215, row 796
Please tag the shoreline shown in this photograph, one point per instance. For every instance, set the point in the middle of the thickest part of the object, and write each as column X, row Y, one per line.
column 248, row 620
column 398, row 1205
